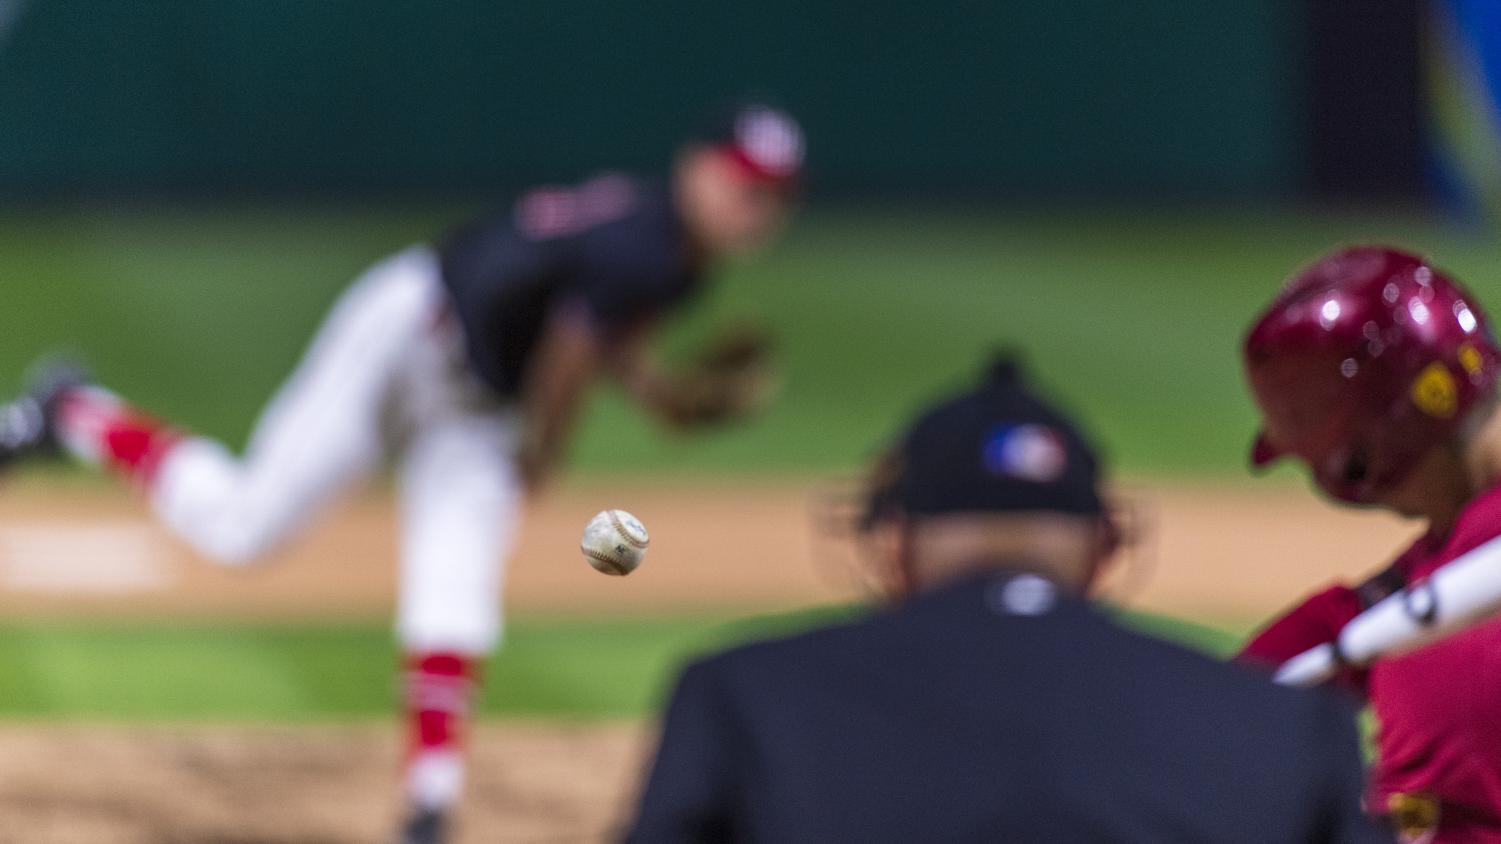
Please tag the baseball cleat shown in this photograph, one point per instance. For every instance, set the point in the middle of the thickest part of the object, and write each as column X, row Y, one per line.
column 425, row 826
column 28, row 425
column 23, row 429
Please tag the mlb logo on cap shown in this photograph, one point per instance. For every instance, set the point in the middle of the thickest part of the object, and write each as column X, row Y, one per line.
column 1034, row 453
column 997, row 448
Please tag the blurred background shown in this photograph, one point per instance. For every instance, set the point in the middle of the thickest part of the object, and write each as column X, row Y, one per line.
column 1112, row 188
column 1077, row 178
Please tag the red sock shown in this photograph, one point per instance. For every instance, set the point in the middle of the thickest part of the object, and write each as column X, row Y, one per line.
column 98, row 427
column 438, row 691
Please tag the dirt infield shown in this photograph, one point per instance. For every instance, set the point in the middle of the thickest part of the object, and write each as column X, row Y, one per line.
column 1215, row 552
column 530, row 784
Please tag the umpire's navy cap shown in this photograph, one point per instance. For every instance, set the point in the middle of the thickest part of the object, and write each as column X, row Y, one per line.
column 998, row 447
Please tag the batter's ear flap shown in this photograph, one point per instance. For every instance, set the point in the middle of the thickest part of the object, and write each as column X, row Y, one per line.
column 1264, row 452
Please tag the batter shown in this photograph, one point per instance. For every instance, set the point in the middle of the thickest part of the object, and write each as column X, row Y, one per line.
column 1378, row 372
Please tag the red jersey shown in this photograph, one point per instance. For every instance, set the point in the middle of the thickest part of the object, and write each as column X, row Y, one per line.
column 1438, row 708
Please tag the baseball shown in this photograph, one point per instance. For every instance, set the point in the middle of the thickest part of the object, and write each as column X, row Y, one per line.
column 615, row 542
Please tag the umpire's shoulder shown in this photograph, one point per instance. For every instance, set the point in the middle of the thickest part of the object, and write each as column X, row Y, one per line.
column 1242, row 694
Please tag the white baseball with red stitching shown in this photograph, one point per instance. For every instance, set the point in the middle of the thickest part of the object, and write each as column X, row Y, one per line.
column 615, row 542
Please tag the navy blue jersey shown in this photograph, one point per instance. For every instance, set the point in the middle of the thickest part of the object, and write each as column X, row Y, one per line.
column 997, row 710
column 613, row 248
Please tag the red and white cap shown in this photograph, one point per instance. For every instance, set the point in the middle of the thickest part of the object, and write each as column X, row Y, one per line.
column 767, row 142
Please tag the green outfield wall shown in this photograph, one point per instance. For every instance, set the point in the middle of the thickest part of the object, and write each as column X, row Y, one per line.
column 1154, row 97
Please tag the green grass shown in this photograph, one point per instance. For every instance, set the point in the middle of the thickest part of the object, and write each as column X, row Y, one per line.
column 143, row 672
column 1215, row 641
column 1132, row 319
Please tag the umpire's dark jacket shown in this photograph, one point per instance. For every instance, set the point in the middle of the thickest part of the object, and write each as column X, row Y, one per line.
column 994, row 710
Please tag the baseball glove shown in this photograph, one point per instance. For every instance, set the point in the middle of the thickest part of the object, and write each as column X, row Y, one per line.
column 728, row 379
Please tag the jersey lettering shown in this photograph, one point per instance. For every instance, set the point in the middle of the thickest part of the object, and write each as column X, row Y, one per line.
column 552, row 212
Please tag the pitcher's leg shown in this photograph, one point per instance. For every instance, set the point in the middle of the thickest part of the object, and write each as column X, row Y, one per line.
column 460, row 504
column 322, row 430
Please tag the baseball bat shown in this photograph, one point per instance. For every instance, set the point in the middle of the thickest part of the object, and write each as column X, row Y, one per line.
column 1459, row 595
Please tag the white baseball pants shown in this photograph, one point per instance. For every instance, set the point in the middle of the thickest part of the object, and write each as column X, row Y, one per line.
column 385, row 375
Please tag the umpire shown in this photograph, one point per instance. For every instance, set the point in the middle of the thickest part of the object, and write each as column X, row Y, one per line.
column 993, row 702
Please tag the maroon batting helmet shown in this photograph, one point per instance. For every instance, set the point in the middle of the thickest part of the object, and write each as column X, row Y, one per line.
column 1368, row 359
